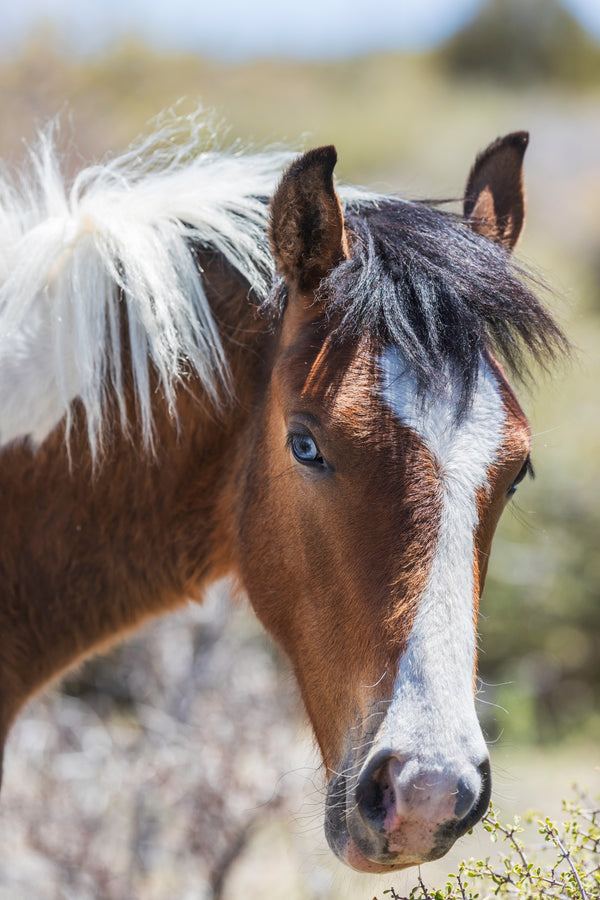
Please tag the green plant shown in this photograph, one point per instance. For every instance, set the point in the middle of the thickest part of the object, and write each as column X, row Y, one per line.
column 564, row 866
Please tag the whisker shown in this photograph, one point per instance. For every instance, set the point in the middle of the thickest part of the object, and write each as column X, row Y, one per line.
column 364, row 746
column 496, row 740
column 490, row 703
column 547, row 431
column 377, row 682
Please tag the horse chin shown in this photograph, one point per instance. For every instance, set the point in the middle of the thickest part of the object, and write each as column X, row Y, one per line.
column 355, row 858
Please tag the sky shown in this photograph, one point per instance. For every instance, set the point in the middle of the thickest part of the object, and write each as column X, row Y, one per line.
column 242, row 29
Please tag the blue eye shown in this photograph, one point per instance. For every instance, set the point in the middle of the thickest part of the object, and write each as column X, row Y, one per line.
column 305, row 450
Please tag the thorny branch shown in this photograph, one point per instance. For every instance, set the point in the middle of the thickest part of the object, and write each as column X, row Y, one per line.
column 565, row 867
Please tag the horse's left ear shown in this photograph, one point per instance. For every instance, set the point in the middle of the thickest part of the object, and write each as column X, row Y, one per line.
column 494, row 203
column 307, row 224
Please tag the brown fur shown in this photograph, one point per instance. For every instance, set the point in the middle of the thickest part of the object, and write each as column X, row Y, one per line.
column 492, row 501
column 84, row 555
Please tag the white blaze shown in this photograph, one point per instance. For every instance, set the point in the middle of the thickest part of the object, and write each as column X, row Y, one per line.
column 432, row 713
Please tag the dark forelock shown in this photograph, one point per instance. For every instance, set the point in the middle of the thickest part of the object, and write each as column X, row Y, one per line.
column 421, row 280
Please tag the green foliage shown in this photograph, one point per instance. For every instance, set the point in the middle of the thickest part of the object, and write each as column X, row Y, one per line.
column 544, row 653
column 564, row 865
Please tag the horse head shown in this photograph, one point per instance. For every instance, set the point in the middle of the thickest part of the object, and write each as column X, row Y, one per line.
column 382, row 455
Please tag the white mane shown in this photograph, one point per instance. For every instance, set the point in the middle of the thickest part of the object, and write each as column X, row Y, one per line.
column 121, row 232
column 70, row 254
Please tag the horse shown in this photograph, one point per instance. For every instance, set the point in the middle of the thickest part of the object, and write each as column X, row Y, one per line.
column 221, row 364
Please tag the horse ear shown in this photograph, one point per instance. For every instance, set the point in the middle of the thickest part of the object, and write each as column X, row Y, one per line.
column 307, row 225
column 494, row 203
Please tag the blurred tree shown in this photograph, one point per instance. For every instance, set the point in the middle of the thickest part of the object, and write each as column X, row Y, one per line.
column 520, row 41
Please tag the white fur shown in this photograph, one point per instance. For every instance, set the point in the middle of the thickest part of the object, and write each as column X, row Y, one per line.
column 432, row 711
column 65, row 251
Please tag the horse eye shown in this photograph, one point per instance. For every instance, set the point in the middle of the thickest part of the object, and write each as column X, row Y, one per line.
column 526, row 469
column 305, row 450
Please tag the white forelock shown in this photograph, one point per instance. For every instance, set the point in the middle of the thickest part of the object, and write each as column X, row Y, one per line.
column 123, row 229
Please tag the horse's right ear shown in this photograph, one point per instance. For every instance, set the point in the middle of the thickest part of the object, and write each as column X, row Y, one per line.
column 494, row 203
column 307, row 225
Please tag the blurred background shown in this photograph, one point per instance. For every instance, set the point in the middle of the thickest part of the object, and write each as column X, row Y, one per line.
column 163, row 770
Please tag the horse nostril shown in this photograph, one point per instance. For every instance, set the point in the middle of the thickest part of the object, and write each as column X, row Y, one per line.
column 385, row 793
column 473, row 813
column 467, row 792
column 370, row 796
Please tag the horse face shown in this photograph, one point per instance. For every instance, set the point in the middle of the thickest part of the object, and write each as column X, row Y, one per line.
column 367, row 522
column 366, row 540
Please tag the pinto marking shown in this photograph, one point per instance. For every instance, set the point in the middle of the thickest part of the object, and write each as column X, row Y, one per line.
column 433, row 693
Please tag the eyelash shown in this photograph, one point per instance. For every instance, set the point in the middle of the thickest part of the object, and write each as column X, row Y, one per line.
column 526, row 469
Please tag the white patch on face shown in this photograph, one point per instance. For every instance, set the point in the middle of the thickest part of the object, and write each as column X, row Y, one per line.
column 432, row 713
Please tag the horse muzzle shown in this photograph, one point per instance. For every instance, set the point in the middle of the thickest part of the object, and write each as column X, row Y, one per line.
column 402, row 812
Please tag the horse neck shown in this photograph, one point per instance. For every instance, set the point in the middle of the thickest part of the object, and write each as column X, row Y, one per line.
column 87, row 555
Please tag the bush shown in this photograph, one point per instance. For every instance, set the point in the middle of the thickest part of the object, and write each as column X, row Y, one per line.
column 564, row 866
